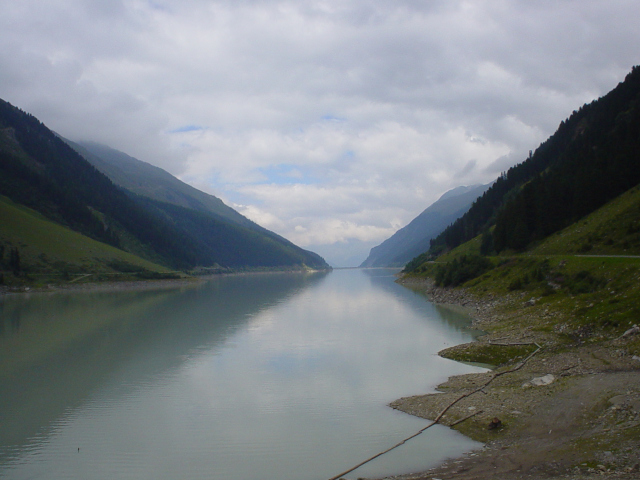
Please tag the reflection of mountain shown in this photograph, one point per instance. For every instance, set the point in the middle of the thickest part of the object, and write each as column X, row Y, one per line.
column 417, row 300
column 457, row 317
column 71, row 345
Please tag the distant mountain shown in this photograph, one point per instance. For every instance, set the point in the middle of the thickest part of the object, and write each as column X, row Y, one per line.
column 42, row 172
column 414, row 238
column 593, row 157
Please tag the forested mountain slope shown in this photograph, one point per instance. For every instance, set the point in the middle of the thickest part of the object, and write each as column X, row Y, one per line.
column 42, row 172
column 414, row 238
column 593, row 157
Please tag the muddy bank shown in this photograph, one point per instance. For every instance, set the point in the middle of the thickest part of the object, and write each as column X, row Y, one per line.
column 552, row 410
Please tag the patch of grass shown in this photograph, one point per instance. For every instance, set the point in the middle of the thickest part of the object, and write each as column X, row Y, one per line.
column 478, row 431
column 461, row 270
column 488, row 354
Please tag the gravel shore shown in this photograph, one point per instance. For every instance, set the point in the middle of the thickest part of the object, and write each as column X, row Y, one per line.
column 553, row 412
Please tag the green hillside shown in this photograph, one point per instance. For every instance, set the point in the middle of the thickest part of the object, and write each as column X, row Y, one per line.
column 588, row 273
column 50, row 252
column 612, row 230
column 564, row 311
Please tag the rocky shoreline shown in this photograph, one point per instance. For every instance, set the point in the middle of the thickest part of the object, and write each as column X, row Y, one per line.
column 558, row 411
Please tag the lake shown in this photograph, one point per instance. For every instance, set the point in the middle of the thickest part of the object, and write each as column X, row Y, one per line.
column 264, row 376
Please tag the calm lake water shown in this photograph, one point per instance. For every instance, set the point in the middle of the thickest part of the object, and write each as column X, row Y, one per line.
column 279, row 376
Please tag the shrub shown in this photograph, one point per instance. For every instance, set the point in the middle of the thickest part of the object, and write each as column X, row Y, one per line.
column 461, row 270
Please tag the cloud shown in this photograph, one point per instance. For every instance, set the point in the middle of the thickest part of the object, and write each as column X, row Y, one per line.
column 329, row 121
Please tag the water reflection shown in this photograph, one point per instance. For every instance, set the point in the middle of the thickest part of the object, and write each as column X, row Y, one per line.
column 453, row 316
column 266, row 376
column 70, row 343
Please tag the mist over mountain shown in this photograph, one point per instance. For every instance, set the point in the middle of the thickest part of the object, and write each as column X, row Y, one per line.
column 160, row 219
column 414, row 238
column 147, row 180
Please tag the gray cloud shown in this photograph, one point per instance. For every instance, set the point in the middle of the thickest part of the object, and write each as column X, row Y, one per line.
column 332, row 122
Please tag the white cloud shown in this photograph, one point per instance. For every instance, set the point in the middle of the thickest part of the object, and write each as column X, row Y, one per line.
column 333, row 122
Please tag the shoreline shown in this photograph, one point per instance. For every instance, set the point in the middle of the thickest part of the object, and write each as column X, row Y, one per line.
column 581, row 425
column 102, row 286
column 120, row 285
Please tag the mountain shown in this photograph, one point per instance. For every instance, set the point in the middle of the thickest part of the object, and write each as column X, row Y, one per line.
column 153, row 182
column 593, row 157
column 194, row 211
column 40, row 171
column 414, row 238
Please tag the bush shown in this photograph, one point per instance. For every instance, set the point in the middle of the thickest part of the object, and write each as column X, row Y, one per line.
column 583, row 282
column 461, row 270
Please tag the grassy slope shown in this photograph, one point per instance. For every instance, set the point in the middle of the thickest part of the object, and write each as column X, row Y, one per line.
column 48, row 248
column 612, row 230
column 572, row 292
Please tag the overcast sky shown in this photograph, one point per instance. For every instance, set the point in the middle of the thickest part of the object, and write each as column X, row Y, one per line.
column 330, row 122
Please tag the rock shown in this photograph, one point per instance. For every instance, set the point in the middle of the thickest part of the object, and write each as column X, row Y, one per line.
column 618, row 400
column 540, row 381
column 632, row 331
column 495, row 423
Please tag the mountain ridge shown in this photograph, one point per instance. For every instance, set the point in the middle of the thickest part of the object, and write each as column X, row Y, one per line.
column 156, row 184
